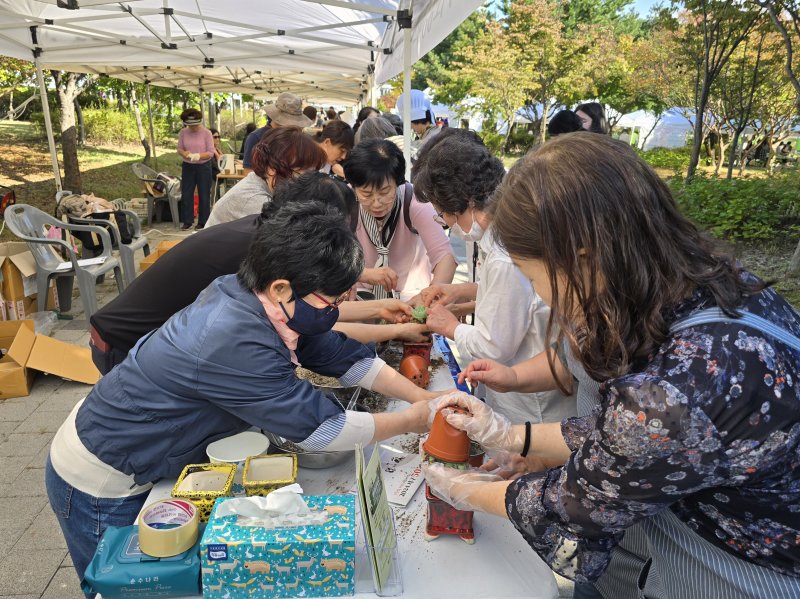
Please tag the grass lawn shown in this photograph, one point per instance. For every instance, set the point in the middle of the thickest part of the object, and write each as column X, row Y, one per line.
column 106, row 171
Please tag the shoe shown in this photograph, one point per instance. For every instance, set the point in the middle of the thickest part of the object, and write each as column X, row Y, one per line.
column 198, row 227
column 185, row 227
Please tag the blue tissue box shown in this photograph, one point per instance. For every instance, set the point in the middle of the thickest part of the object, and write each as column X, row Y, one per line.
column 305, row 561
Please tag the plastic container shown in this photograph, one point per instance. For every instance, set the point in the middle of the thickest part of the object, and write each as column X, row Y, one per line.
column 445, row 442
column 237, row 448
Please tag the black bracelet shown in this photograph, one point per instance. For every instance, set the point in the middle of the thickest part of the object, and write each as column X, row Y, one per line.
column 527, row 444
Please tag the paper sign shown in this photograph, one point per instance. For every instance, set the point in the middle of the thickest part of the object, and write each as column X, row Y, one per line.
column 377, row 515
column 402, row 473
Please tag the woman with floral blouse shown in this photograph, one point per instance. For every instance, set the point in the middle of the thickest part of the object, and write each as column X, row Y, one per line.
column 693, row 446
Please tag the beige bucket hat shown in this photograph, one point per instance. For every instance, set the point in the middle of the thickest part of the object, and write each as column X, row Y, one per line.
column 287, row 110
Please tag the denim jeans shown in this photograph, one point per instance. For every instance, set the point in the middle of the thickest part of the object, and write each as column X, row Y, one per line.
column 84, row 518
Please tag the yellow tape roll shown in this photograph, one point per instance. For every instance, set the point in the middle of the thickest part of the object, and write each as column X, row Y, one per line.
column 168, row 527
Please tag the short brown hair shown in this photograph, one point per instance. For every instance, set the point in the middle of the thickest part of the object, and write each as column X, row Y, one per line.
column 286, row 150
column 605, row 223
column 340, row 134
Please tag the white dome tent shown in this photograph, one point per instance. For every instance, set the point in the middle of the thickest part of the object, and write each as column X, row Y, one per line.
column 671, row 130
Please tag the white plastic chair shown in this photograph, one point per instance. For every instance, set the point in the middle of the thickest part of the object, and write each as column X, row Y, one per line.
column 126, row 250
column 149, row 179
column 28, row 223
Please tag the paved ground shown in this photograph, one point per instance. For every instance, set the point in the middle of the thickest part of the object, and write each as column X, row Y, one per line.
column 34, row 562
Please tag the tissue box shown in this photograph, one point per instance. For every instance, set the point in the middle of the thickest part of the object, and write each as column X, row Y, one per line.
column 304, row 561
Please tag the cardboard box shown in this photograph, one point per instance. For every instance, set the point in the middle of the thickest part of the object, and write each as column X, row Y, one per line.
column 306, row 561
column 29, row 352
column 19, row 290
column 157, row 252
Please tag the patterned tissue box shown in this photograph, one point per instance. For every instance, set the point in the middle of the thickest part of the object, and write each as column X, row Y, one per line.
column 303, row 561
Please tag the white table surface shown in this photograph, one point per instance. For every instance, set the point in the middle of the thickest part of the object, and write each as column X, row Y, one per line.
column 499, row 565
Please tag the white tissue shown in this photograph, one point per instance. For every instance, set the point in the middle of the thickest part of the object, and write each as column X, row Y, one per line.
column 282, row 508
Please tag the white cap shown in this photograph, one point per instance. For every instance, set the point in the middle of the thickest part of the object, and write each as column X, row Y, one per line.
column 419, row 104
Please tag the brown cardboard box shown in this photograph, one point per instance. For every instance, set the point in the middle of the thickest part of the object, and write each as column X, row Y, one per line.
column 157, row 252
column 29, row 352
column 18, row 268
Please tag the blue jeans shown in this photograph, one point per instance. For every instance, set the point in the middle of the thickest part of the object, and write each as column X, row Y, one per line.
column 84, row 518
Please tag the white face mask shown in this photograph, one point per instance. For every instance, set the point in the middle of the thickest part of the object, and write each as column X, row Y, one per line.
column 475, row 231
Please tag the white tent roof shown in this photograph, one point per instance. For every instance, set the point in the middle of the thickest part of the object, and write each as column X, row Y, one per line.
column 324, row 50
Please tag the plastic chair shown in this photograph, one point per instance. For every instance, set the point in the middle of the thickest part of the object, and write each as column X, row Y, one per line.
column 28, row 223
column 126, row 250
column 149, row 178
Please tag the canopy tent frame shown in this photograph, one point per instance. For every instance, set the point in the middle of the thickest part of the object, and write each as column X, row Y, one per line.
column 336, row 52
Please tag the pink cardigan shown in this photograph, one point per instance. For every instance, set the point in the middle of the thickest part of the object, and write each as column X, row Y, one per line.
column 411, row 256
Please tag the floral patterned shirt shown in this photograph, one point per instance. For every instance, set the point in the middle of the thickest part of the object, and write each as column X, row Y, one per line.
column 707, row 426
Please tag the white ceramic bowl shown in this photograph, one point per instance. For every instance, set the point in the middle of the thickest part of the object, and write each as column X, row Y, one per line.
column 236, row 449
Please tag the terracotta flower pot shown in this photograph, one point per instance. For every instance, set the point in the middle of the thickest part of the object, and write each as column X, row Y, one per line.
column 415, row 369
column 476, row 455
column 446, row 442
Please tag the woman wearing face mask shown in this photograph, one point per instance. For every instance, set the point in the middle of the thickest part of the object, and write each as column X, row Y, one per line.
column 221, row 365
column 458, row 177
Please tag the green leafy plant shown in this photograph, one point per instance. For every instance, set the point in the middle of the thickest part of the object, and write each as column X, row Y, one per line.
column 420, row 314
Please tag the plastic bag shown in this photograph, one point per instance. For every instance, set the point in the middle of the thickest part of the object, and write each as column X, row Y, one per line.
column 44, row 322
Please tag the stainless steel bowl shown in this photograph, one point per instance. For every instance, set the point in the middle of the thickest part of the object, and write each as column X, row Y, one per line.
column 347, row 397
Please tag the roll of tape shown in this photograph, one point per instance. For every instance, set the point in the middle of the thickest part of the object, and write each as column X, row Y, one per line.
column 168, row 527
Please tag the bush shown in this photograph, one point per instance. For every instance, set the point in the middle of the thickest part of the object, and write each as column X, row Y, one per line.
column 674, row 159
column 742, row 209
column 107, row 126
column 494, row 141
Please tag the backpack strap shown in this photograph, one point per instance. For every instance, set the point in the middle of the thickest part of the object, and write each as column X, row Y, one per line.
column 408, row 193
column 751, row 320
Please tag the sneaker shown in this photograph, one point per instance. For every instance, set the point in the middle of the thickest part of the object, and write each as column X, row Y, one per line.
column 185, row 227
column 198, row 227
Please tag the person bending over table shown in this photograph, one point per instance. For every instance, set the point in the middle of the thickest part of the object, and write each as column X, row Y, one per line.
column 281, row 154
column 398, row 258
column 176, row 279
column 459, row 177
column 692, row 448
column 224, row 364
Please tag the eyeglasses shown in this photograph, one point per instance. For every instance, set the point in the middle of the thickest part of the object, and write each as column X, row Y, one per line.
column 437, row 218
column 388, row 198
column 331, row 306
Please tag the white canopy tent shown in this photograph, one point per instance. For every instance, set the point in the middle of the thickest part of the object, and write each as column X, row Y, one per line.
column 323, row 50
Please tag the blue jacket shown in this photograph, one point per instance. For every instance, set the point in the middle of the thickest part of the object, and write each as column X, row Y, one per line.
column 214, row 369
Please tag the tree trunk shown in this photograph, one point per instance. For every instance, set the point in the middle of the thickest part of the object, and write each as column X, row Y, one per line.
column 67, row 88
column 81, row 126
column 509, row 132
column 139, row 127
column 697, row 141
column 794, row 263
column 734, row 146
column 11, row 106
column 649, row 133
column 770, row 165
column 543, row 122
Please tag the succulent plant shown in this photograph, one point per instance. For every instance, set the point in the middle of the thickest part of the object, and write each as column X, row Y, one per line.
column 420, row 314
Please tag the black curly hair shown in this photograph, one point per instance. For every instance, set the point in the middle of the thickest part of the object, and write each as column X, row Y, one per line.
column 458, row 173
column 422, row 156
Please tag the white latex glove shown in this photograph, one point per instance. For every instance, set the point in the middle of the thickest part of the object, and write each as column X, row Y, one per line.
column 194, row 157
column 456, row 486
column 491, row 430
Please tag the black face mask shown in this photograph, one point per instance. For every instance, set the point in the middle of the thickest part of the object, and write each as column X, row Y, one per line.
column 308, row 320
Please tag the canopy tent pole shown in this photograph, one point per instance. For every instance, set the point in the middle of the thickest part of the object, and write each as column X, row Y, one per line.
column 233, row 118
column 150, row 119
column 48, row 125
column 407, row 100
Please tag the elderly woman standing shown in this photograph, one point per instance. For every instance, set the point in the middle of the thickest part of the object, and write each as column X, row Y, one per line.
column 407, row 249
column 282, row 154
column 196, row 147
column 694, row 442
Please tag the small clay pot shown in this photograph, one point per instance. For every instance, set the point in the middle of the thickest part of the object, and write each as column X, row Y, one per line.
column 446, row 442
column 415, row 369
column 476, row 455
column 418, row 349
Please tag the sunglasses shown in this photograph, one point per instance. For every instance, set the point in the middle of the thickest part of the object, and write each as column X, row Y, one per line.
column 215, row 136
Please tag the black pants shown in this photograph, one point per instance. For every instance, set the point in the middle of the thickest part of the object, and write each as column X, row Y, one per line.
column 195, row 175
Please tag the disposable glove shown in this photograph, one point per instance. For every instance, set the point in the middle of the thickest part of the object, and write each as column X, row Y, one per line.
column 494, row 432
column 194, row 157
column 456, row 486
